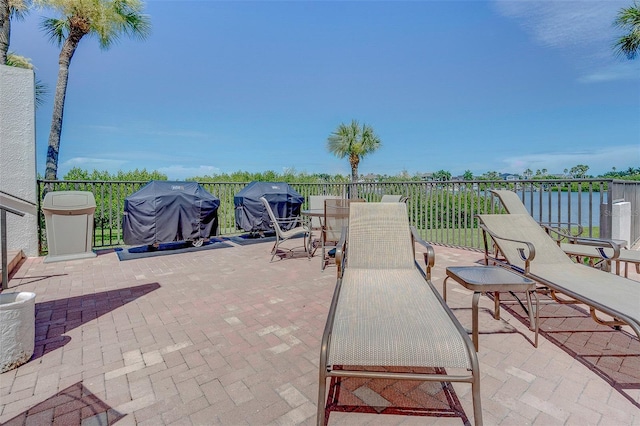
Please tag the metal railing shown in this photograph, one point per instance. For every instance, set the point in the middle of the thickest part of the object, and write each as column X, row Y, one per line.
column 443, row 212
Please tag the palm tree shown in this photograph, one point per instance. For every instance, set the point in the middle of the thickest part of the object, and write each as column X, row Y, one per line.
column 628, row 20
column 8, row 9
column 353, row 141
column 105, row 19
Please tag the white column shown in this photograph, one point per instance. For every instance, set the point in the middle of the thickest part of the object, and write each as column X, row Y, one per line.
column 18, row 153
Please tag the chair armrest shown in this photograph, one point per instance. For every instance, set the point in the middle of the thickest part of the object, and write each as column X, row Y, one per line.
column 292, row 220
column 429, row 255
column 526, row 255
column 562, row 230
column 341, row 251
column 600, row 244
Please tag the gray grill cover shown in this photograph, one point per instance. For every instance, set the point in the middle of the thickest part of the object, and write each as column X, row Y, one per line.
column 165, row 211
column 250, row 212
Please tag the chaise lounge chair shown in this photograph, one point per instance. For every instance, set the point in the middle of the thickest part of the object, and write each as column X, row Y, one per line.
column 386, row 312
column 529, row 250
column 597, row 251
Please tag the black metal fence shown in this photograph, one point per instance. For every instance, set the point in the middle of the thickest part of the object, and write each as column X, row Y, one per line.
column 443, row 212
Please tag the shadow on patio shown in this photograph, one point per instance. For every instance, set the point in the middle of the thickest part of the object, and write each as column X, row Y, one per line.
column 57, row 317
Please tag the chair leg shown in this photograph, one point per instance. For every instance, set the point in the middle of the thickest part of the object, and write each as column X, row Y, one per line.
column 477, row 404
column 274, row 250
column 322, row 391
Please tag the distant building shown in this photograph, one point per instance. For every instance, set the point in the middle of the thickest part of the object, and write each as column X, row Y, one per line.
column 509, row 176
column 369, row 178
column 426, row 177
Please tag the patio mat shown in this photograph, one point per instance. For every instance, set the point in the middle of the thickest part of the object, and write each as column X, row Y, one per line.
column 168, row 248
column 248, row 239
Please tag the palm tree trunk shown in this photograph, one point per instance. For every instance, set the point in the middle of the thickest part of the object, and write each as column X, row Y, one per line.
column 68, row 49
column 354, row 160
column 5, row 30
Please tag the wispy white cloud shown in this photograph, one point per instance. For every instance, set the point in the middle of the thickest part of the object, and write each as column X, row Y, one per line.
column 178, row 172
column 620, row 71
column 583, row 30
column 599, row 160
column 143, row 130
column 90, row 163
column 175, row 133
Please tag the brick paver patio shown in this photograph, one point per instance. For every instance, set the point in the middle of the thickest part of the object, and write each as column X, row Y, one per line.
column 224, row 336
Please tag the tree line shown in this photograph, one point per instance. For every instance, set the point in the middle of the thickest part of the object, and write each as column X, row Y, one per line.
column 293, row 176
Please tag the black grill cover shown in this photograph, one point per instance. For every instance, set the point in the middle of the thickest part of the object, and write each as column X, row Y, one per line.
column 165, row 211
column 250, row 212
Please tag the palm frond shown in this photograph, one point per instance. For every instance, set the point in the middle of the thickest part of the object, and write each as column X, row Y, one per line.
column 628, row 46
column 41, row 92
column 57, row 29
column 18, row 61
column 18, row 9
column 628, row 19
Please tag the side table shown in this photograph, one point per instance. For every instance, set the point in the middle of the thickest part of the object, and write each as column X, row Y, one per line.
column 482, row 279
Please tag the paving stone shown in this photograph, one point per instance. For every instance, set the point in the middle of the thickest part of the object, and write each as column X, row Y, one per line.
column 227, row 337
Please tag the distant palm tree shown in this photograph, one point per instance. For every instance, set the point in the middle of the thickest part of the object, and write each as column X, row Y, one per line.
column 353, row 141
column 629, row 20
column 105, row 19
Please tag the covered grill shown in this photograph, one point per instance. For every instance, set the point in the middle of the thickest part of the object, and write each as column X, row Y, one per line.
column 251, row 215
column 165, row 211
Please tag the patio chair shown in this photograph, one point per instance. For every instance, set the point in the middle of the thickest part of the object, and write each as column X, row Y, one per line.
column 390, row 198
column 598, row 252
column 529, row 250
column 336, row 216
column 316, row 202
column 281, row 236
column 386, row 319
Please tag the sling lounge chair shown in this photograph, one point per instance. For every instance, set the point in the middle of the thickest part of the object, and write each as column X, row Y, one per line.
column 529, row 250
column 597, row 251
column 386, row 312
column 299, row 229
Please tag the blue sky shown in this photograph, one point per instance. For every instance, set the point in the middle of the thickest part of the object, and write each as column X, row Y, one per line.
column 222, row 86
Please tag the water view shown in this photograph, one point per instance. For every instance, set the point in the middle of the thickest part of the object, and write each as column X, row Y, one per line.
column 575, row 207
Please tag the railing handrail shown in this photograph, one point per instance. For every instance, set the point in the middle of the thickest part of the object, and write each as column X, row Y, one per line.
column 442, row 210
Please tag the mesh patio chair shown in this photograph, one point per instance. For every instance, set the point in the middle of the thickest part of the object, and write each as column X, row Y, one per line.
column 390, row 198
column 281, row 236
column 386, row 319
column 316, row 202
column 598, row 252
column 527, row 249
column 336, row 216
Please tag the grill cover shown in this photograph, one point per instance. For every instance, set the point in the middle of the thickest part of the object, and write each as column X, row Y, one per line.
column 251, row 215
column 165, row 211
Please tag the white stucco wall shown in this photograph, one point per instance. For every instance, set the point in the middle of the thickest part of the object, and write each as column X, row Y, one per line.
column 18, row 153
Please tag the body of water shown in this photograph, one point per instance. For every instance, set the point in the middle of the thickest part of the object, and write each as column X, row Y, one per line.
column 582, row 208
